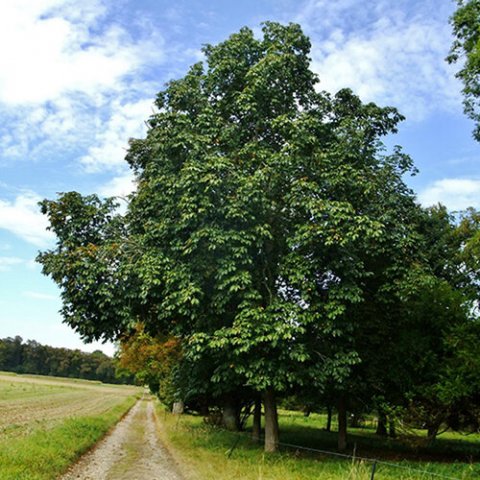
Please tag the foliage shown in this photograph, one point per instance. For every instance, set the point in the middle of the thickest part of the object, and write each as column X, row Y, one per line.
column 85, row 264
column 153, row 361
column 32, row 357
column 253, row 211
column 273, row 237
column 436, row 313
column 442, row 329
column 465, row 48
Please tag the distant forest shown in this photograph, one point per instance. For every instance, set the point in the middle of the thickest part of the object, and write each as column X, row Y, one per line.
column 32, row 357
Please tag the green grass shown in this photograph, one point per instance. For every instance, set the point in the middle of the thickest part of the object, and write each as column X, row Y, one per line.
column 11, row 391
column 46, row 425
column 411, row 444
column 47, row 453
column 206, row 451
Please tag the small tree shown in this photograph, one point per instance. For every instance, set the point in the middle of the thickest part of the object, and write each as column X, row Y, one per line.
column 154, row 362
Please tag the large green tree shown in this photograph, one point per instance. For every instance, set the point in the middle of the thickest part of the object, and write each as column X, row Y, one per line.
column 262, row 206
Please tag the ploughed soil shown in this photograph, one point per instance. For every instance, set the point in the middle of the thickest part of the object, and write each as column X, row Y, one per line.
column 132, row 451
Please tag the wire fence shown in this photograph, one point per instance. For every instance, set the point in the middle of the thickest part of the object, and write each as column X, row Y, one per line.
column 375, row 462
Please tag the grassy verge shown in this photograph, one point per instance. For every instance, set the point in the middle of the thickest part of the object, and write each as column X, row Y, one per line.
column 46, row 453
column 206, row 454
column 411, row 444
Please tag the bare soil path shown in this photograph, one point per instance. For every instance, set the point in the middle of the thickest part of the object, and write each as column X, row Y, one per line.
column 132, row 451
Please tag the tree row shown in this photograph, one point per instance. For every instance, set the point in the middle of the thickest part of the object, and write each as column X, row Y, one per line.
column 274, row 245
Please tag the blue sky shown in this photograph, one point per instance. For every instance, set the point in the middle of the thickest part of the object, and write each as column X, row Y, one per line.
column 77, row 80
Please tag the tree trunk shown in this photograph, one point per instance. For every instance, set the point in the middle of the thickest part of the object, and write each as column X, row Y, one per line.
column 355, row 420
column 342, row 423
column 271, row 421
column 382, row 424
column 391, row 429
column 432, row 431
column 178, row 408
column 230, row 418
column 257, row 421
column 329, row 418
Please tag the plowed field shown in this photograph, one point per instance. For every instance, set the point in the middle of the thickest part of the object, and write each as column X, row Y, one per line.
column 47, row 422
column 30, row 402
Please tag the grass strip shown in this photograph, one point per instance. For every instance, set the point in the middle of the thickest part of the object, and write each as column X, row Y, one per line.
column 204, row 453
column 47, row 453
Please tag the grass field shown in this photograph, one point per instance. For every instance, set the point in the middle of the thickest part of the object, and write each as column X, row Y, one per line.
column 206, row 453
column 47, row 422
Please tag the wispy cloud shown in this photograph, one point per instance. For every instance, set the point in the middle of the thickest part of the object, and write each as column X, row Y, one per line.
column 120, row 186
column 40, row 296
column 6, row 263
column 388, row 53
column 127, row 120
column 72, row 67
column 62, row 46
column 454, row 193
column 22, row 217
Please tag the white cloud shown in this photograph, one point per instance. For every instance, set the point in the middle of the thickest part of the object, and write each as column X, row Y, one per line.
column 22, row 217
column 56, row 51
column 33, row 265
column 120, row 186
column 455, row 193
column 67, row 66
column 7, row 262
column 390, row 54
column 40, row 296
column 111, row 143
column 61, row 335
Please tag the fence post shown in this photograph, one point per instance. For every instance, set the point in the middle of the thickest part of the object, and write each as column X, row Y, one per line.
column 374, row 467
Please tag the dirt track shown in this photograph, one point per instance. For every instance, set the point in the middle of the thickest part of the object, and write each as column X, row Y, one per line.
column 132, row 451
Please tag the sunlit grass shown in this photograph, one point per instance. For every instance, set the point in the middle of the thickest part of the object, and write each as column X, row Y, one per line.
column 45, row 425
column 210, row 454
column 47, row 453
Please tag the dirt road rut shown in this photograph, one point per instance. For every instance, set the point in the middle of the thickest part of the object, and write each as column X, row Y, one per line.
column 132, row 451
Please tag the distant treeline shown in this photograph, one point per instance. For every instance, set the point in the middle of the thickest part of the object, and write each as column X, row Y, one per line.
column 32, row 357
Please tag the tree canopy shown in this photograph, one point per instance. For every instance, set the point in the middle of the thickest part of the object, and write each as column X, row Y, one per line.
column 269, row 236
column 466, row 50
